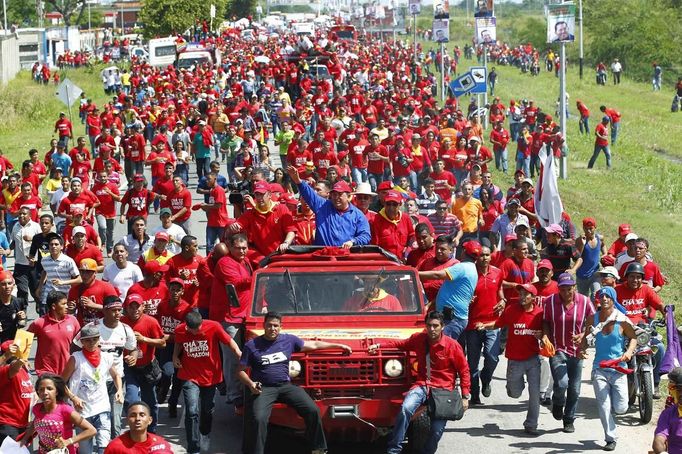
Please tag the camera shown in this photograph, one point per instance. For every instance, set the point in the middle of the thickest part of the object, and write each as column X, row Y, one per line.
column 236, row 196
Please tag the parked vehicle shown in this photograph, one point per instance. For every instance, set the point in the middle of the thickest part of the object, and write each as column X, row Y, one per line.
column 162, row 51
column 641, row 382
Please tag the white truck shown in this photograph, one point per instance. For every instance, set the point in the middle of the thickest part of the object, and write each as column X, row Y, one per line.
column 194, row 55
column 162, row 51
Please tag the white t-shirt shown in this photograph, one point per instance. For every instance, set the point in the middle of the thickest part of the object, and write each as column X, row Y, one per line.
column 21, row 246
column 176, row 233
column 124, row 278
column 113, row 341
column 89, row 383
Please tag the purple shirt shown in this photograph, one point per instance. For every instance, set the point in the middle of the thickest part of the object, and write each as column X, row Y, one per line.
column 269, row 360
column 566, row 322
column 669, row 427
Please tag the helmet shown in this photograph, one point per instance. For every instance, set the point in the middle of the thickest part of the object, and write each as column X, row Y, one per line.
column 634, row 267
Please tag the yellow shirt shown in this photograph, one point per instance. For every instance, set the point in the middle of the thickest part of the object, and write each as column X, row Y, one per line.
column 468, row 213
column 151, row 256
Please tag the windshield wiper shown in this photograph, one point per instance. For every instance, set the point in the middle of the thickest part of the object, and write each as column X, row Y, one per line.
column 379, row 279
column 292, row 290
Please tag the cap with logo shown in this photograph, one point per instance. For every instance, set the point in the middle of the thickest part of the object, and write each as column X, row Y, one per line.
column 88, row 265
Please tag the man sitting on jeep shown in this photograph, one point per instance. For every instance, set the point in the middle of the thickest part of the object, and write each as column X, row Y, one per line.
column 373, row 298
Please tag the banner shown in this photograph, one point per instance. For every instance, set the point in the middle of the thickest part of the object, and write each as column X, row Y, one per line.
column 441, row 9
column 484, row 8
column 486, row 30
column 561, row 23
column 441, row 30
column 548, row 206
column 415, row 7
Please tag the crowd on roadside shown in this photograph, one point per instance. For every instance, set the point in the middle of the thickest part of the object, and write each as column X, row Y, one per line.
column 368, row 157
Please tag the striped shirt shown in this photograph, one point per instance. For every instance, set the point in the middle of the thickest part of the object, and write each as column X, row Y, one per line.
column 63, row 268
column 565, row 322
column 448, row 225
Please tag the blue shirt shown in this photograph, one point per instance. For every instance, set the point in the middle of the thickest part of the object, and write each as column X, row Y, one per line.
column 4, row 244
column 334, row 227
column 62, row 161
column 269, row 360
column 457, row 291
column 220, row 181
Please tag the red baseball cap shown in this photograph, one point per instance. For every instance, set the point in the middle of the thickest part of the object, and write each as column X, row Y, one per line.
column 385, row 186
column 176, row 280
column 342, row 186
column 138, row 177
column 288, row 199
column 590, row 222
column 134, row 298
column 544, row 263
column 261, row 187
column 276, row 187
column 510, row 237
column 530, row 288
column 393, row 196
column 472, row 249
column 163, row 236
column 624, row 229
column 155, row 267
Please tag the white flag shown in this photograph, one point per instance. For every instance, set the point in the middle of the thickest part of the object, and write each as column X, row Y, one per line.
column 548, row 206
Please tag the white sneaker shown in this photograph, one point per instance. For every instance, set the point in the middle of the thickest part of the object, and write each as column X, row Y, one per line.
column 204, row 442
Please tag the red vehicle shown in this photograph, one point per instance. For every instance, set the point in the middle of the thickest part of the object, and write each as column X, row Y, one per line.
column 343, row 32
column 358, row 298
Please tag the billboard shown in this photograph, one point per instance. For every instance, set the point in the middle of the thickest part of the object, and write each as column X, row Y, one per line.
column 561, row 23
column 415, row 7
column 441, row 30
column 484, row 8
column 441, row 9
column 486, row 30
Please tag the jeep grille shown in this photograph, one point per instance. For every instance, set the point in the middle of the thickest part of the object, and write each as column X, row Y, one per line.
column 342, row 371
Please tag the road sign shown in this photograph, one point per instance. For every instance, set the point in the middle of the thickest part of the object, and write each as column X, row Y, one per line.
column 480, row 76
column 462, row 85
column 68, row 92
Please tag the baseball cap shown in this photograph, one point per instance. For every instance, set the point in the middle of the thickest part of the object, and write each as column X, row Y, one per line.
column 475, row 139
column 520, row 172
column 155, row 267
column 176, row 280
column 111, row 302
column 88, row 265
column 624, row 229
column 472, row 248
column 78, row 229
column 89, row 331
column 605, row 118
column 544, row 263
column 261, row 187
column 513, row 202
column 510, row 237
column 530, row 288
column 631, row 236
column 134, row 298
column 565, row 279
column 609, row 271
column 6, row 345
column 288, row 199
column 393, row 196
column 554, row 228
column 589, row 222
column 522, row 222
column 342, row 186
column 385, row 186
column 202, row 123
column 137, row 177
column 104, row 147
column 163, row 236
column 342, row 154
column 75, row 211
column 416, row 135
column 527, row 180
column 276, row 187
column 165, row 211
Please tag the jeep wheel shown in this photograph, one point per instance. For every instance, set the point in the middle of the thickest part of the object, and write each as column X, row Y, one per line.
column 418, row 433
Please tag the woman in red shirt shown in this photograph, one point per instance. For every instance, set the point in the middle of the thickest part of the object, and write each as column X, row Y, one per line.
column 491, row 210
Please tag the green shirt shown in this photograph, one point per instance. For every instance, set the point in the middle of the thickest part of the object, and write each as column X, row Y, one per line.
column 284, row 139
column 202, row 151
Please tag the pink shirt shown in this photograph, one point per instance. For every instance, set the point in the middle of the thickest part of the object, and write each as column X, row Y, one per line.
column 566, row 322
column 54, row 339
column 55, row 424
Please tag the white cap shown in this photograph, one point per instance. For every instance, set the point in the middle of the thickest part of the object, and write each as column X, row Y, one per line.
column 78, row 229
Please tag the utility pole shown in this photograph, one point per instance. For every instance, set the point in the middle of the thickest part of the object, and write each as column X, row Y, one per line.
column 414, row 40
column 580, row 18
column 563, row 169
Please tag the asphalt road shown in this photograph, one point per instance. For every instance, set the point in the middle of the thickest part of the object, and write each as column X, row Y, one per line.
column 495, row 427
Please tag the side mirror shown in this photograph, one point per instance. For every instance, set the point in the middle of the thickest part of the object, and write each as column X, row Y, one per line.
column 232, row 295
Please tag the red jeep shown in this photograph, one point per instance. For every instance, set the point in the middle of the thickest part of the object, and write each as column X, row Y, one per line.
column 358, row 297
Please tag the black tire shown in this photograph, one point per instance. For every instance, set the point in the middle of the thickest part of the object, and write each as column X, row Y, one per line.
column 418, row 432
column 646, row 398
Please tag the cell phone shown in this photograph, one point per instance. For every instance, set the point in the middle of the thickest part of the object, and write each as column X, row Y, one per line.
column 259, row 385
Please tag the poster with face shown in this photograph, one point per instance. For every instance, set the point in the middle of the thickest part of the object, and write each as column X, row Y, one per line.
column 441, row 30
column 441, row 9
column 484, row 8
column 486, row 30
column 561, row 23
column 415, row 7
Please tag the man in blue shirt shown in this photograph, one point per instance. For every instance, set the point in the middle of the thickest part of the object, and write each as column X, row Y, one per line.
column 457, row 290
column 339, row 223
column 61, row 159
column 268, row 358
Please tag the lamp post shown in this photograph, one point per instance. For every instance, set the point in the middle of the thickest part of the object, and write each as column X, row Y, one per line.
column 580, row 18
column 4, row 15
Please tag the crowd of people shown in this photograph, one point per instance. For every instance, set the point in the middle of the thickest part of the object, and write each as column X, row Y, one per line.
column 368, row 157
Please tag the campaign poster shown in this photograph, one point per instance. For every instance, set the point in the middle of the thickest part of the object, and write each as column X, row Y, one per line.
column 484, row 8
column 441, row 9
column 561, row 23
column 23, row 339
column 441, row 30
column 415, row 7
column 486, row 30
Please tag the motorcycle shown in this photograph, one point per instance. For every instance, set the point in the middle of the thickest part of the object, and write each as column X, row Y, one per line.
column 641, row 382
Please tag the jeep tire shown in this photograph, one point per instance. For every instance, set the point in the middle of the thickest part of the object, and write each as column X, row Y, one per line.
column 418, row 432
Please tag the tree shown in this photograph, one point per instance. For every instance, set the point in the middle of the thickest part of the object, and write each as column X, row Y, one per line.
column 20, row 12
column 67, row 8
column 240, row 8
column 166, row 17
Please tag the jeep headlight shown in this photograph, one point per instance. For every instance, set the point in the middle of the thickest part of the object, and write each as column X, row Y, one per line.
column 393, row 368
column 294, row 369
column 643, row 339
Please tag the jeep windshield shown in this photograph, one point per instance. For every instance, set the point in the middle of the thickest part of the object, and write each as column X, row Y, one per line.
column 339, row 293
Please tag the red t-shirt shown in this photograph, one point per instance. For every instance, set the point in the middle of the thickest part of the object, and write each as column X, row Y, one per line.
column 267, row 231
column 217, row 217
column 442, row 179
column 125, row 445
column 90, row 251
column 151, row 296
column 418, row 256
column 164, row 186
column 97, row 291
column 82, row 170
column 33, row 203
column 107, row 207
column 15, row 399
column 323, row 161
column 652, row 274
column 136, row 146
column 639, row 304
column 170, row 317
column 375, row 164
column 601, row 130
column 138, row 202
column 85, row 200
column 201, row 361
column 34, row 180
column 518, row 273
column 186, row 269
column 358, row 159
column 485, row 297
column 524, row 329
column 54, row 340
column 176, row 201
column 394, row 237
column 148, row 327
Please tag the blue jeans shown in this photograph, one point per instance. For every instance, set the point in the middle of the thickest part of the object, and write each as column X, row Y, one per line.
column 534, row 165
column 615, row 129
column 523, row 163
column 102, row 423
column 595, row 155
column 137, row 388
column 460, row 176
column 375, row 179
column 198, row 412
column 566, row 372
column 454, row 328
column 182, row 171
column 414, row 399
column 488, row 343
column 203, row 167
column 514, row 130
column 530, row 369
column 501, row 160
column 359, row 175
column 584, row 125
column 658, row 359
column 213, row 235
column 235, row 388
column 157, row 201
column 611, row 392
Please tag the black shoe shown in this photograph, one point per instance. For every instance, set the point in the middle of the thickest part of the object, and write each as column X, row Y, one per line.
column 475, row 401
column 486, row 390
column 222, row 388
column 569, row 428
column 657, row 393
column 546, row 402
column 162, row 393
column 531, row 431
column 558, row 412
column 172, row 412
column 609, row 446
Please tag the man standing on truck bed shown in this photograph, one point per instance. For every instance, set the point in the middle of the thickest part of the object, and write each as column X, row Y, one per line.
column 447, row 362
column 268, row 358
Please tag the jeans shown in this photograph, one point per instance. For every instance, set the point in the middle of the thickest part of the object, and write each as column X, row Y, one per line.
column 514, row 130
column 235, row 388
column 102, row 424
column 566, row 372
column 658, row 359
column 584, row 125
column 488, row 343
column 359, row 175
column 534, row 165
column 169, row 374
column 213, row 235
column 523, row 163
column 501, row 160
column 198, row 412
column 615, row 129
column 530, row 368
column 182, row 171
column 460, row 175
column 589, row 286
column 184, row 225
column 116, row 409
column 203, row 166
column 137, row 388
column 105, row 228
column 27, row 282
column 595, row 155
column 454, row 328
column 611, row 393
column 375, row 179
column 258, row 416
column 414, row 399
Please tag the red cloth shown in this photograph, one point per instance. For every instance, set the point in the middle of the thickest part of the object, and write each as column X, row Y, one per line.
column 148, row 327
column 93, row 357
column 395, row 238
column 239, row 274
column 485, row 297
column 125, row 445
column 201, row 361
column 54, row 339
column 15, row 399
column 615, row 364
column 639, row 304
column 524, row 329
column 151, row 296
column 266, row 231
